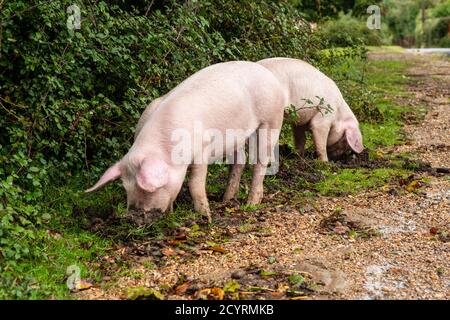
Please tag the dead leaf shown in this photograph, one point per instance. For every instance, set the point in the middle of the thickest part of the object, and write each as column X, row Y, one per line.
column 141, row 292
column 217, row 249
column 182, row 236
column 414, row 185
column 181, row 289
column 265, row 273
column 300, row 298
column 231, row 286
column 217, row 293
column 277, row 294
column 168, row 252
column 81, row 285
column 434, row 231
column 340, row 229
column 210, row 294
column 175, row 243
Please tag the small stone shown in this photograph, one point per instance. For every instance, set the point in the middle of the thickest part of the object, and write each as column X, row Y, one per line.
column 238, row 274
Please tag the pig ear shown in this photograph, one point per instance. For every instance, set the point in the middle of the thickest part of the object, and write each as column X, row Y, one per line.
column 153, row 174
column 354, row 139
column 111, row 174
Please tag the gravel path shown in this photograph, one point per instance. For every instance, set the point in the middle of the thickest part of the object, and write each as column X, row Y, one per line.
column 408, row 258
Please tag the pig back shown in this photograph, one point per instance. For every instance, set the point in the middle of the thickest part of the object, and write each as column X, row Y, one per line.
column 230, row 95
column 304, row 85
column 227, row 96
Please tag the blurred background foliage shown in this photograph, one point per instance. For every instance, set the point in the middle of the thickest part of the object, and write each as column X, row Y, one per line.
column 69, row 99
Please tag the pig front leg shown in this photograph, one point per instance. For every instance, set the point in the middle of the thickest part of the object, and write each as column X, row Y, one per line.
column 320, row 138
column 197, row 188
column 234, row 178
column 257, row 188
column 299, row 139
column 266, row 142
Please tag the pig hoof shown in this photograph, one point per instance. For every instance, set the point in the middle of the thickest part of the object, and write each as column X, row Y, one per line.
column 208, row 217
column 255, row 198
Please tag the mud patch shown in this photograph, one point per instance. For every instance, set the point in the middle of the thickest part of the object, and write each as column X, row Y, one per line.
column 144, row 218
column 107, row 223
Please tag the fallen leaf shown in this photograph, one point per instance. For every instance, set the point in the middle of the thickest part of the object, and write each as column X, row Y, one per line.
column 174, row 243
column 296, row 279
column 434, row 231
column 300, row 298
column 181, row 237
column 414, row 185
column 142, row 292
column 265, row 273
column 340, row 229
column 217, row 249
column 210, row 294
column 217, row 293
column 181, row 289
column 83, row 285
column 277, row 294
column 168, row 252
column 231, row 286
column 259, row 289
column 80, row 285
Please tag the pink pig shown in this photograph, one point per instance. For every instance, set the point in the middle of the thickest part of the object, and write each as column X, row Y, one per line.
column 232, row 95
column 334, row 132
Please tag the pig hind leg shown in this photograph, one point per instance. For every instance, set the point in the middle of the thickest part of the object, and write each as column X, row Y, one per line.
column 299, row 139
column 320, row 138
column 197, row 188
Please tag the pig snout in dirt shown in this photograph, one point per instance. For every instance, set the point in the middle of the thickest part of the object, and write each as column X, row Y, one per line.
column 207, row 117
column 335, row 130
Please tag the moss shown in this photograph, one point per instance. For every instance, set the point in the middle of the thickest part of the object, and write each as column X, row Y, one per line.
column 352, row 181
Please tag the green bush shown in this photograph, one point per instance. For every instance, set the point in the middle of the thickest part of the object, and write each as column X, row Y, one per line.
column 346, row 66
column 347, row 31
column 444, row 42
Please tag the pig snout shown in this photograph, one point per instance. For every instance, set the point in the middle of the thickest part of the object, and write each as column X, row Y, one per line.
column 338, row 149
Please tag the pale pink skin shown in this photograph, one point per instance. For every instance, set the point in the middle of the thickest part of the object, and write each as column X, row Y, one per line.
column 231, row 95
column 335, row 132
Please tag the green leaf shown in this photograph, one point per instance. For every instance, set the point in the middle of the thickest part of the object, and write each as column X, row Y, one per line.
column 231, row 286
column 265, row 273
column 296, row 279
column 141, row 292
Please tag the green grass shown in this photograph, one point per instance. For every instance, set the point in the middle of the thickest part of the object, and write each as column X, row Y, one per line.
column 79, row 249
column 352, row 181
column 386, row 49
column 66, row 241
column 388, row 83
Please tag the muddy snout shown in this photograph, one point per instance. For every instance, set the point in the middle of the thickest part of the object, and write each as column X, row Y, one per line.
column 141, row 217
